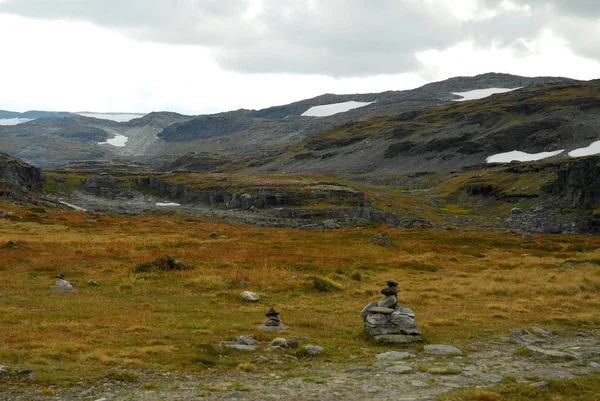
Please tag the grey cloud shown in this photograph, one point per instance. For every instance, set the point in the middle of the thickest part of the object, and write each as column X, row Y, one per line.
column 331, row 37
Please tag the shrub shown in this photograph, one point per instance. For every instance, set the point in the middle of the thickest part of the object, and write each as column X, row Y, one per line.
column 166, row 263
column 322, row 284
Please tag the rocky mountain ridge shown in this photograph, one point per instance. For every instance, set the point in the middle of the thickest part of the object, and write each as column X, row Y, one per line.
column 164, row 135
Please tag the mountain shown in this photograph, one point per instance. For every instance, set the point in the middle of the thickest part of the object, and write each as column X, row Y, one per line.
column 300, row 132
column 555, row 118
column 33, row 114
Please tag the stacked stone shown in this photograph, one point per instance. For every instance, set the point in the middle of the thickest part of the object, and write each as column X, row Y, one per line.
column 61, row 284
column 388, row 321
column 273, row 322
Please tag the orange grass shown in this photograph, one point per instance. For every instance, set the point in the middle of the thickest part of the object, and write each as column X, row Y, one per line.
column 463, row 286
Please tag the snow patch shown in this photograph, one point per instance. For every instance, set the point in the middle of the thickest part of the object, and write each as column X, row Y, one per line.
column 168, row 204
column 118, row 141
column 334, row 108
column 481, row 93
column 593, row 149
column 118, row 117
column 14, row 121
column 521, row 156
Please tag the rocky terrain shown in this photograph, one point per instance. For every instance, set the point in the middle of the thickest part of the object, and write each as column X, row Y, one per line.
column 17, row 177
column 531, row 358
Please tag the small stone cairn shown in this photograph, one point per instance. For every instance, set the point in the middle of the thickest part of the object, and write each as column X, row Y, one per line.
column 389, row 322
column 273, row 322
column 62, row 284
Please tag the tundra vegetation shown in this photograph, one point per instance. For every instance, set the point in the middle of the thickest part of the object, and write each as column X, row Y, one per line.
column 149, row 312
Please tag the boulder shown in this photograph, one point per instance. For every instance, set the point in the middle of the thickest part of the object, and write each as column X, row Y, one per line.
column 441, row 349
column 313, row 349
column 380, row 239
column 250, row 296
column 62, row 285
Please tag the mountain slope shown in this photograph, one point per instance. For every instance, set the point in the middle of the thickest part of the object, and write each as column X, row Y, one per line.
column 536, row 119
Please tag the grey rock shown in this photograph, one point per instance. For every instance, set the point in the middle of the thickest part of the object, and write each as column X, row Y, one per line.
column 313, row 349
column 527, row 236
column 398, row 338
column 594, row 365
column 272, row 328
column 250, row 296
column 62, row 285
column 395, row 355
column 381, row 239
column 365, row 312
column 399, row 369
column 441, row 349
column 491, row 378
column 418, row 383
column 240, row 347
column 360, row 369
column 279, row 342
column 379, row 309
column 330, row 224
column 381, row 365
column 246, row 340
column 2, row 213
column 388, row 301
column 550, row 353
column 516, row 211
column 519, row 332
column 541, row 332
column 92, row 283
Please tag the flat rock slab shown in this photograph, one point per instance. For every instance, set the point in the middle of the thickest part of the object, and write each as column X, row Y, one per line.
column 441, row 349
column 395, row 355
column 241, row 347
column 398, row 339
column 272, row 328
column 399, row 369
column 62, row 288
column 379, row 309
column 549, row 353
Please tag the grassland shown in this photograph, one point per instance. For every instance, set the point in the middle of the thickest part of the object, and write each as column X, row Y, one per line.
column 464, row 286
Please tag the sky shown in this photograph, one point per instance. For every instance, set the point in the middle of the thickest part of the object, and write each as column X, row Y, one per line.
column 206, row 56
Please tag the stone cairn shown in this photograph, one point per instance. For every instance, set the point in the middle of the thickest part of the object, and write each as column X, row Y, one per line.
column 273, row 322
column 62, row 284
column 388, row 321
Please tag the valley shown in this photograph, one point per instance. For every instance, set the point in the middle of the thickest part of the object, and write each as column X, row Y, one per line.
column 484, row 210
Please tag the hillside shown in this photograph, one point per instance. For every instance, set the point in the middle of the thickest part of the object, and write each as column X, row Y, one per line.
column 162, row 136
column 542, row 118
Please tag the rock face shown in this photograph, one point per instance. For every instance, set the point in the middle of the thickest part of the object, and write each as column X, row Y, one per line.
column 399, row 326
column 106, row 185
column 17, row 177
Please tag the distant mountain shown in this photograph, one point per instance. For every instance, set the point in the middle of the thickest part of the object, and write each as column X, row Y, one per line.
column 289, row 129
column 33, row 114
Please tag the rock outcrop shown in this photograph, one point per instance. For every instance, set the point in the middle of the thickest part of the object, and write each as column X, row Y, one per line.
column 17, row 177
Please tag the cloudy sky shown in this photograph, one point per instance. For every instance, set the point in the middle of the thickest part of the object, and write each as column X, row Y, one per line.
column 203, row 56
